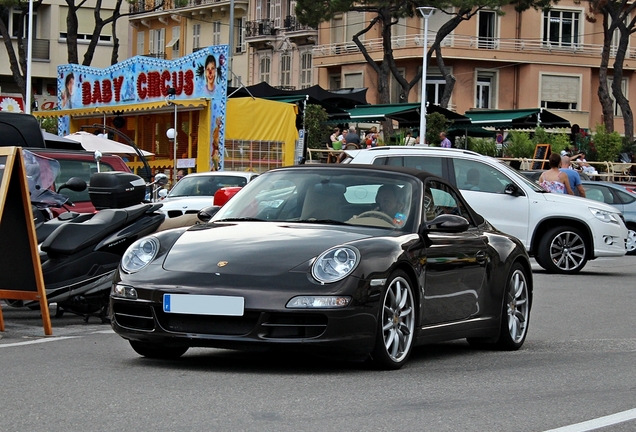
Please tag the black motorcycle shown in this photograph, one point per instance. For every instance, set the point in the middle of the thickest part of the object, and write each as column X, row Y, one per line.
column 80, row 253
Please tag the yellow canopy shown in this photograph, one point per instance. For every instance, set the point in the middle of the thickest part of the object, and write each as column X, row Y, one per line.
column 261, row 119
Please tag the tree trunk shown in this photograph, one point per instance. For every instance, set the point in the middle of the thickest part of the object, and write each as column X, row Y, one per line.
column 18, row 77
column 603, row 91
column 617, row 91
column 71, row 32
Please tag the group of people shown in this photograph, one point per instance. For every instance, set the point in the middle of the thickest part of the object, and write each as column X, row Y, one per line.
column 561, row 178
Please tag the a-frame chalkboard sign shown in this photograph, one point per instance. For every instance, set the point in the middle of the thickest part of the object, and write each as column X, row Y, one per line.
column 22, row 277
column 541, row 156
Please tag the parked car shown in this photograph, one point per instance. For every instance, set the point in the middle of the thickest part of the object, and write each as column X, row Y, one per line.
column 619, row 197
column 82, row 164
column 360, row 261
column 561, row 231
column 196, row 191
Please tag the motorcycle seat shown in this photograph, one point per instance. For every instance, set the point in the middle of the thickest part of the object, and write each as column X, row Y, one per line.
column 71, row 237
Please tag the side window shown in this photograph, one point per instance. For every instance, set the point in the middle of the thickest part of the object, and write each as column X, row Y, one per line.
column 625, row 197
column 441, row 199
column 477, row 176
column 422, row 163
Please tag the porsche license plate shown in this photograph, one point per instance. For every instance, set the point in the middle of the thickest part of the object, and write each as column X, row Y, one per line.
column 203, row 304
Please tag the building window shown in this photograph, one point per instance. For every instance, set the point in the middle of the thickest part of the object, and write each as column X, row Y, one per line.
column 13, row 24
column 560, row 92
column 561, row 28
column 216, row 32
column 157, row 42
column 140, row 43
column 196, row 36
column 353, row 80
column 334, row 82
column 305, row 69
column 487, row 31
column 285, row 70
column 485, row 90
column 276, row 12
column 239, row 36
column 355, row 24
column 435, row 86
column 174, row 41
column 264, row 69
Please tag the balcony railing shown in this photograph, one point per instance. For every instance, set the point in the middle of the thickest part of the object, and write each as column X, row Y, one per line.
column 138, row 6
column 466, row 42
column 291, row 24
column 260, row 28
column 156, row 55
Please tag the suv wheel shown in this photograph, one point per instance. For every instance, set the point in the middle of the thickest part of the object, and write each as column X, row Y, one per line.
column 631, row 239
column 562, row 250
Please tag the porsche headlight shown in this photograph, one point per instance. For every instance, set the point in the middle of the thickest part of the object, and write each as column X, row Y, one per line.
column 140, row 254
column 335, row 264
column 605, row 216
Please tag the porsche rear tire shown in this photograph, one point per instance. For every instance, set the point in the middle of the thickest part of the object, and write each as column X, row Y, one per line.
column 156, row 351
column 396, row 323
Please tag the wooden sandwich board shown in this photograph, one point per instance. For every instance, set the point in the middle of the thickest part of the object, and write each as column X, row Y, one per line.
column 20, row 266
column 541, row 157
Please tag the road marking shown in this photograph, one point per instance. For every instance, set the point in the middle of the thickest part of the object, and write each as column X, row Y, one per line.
column 599, row 422
column 37, row 341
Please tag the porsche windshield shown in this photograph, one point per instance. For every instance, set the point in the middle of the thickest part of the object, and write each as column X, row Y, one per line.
column 335, row 196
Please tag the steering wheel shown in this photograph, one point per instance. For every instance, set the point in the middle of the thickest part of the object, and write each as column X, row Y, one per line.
column 378, row 215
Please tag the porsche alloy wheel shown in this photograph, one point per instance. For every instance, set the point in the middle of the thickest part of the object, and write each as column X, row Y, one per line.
column 515, row 314
column 516, row 310
column 156, row 351
column 563, row 250
column 396, row 323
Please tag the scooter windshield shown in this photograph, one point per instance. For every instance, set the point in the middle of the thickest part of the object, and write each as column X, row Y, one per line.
column 41, row 173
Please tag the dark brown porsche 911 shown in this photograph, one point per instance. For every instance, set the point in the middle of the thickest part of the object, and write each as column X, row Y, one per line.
column 358, row 260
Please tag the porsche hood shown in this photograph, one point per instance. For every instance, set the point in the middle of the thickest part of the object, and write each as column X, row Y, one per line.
column 253, row 248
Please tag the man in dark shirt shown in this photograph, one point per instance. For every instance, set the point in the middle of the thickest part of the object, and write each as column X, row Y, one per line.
column 353, row 137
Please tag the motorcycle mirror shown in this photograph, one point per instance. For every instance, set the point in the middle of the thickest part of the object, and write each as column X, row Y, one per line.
column 161, row 179
column 98, row 156
column 75, row 184
column 163, row 193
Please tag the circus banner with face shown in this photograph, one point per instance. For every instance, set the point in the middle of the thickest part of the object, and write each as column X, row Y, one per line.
column 202, row 74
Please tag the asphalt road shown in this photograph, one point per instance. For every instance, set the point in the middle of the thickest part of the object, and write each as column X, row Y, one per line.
column 576, row 366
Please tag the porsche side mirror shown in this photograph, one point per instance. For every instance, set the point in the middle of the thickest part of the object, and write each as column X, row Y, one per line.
column 206, row 213
column 446, row 223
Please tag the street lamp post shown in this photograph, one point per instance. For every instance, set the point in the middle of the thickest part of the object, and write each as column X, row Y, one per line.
column 426, row 12
column 172, row 132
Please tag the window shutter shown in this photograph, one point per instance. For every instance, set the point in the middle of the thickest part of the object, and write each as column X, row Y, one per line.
column 556, row 88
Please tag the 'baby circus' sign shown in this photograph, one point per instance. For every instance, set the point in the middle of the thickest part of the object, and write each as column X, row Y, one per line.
column 146, row 79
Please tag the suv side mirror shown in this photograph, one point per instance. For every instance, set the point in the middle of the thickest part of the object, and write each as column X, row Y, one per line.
column 512, row 189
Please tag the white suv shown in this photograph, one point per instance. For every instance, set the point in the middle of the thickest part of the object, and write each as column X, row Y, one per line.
column 561, row 231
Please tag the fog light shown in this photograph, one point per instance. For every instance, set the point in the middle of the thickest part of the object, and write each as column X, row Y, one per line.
column 322, row 302
column 609, row 240
column 124, row 291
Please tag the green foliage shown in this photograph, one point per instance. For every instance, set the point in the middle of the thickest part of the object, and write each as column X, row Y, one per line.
column 608, row 145
column 49, row 124
column 560, row 142
column 485, row 146
column 435, row 123
column 519, row 145
column 315, row 118
column 541, row 136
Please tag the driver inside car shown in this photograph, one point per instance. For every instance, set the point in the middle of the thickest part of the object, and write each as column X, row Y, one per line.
column 390, row 202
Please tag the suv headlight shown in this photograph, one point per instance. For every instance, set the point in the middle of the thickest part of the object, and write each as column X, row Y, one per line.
column 335, row 264
column 605, row 216
column 140, row 254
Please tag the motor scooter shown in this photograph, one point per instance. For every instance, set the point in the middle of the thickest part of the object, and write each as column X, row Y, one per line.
column 79, row 256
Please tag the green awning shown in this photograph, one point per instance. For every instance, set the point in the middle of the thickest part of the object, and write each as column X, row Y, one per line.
column 519, row 118
column 407, row 114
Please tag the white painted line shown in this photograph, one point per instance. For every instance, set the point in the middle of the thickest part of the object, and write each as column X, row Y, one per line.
column 37, row 341
column 599, row 422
